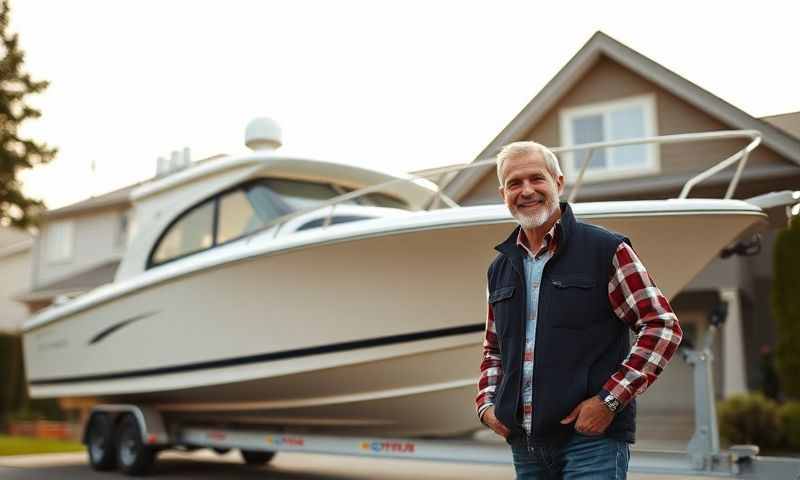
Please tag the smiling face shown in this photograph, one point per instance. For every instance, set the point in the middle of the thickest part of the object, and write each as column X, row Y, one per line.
column 529, row 190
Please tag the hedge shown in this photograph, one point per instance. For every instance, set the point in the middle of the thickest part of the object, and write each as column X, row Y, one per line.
column 786, row 308
column 755, row 419
column 14, row 400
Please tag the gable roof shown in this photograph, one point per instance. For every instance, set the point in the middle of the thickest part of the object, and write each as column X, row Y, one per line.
column 602, row 45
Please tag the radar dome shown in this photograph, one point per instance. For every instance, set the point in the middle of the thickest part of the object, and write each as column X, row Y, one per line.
column 263, row 134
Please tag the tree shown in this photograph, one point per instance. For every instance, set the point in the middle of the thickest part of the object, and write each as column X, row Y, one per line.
column 17, row 153
column 786, row 307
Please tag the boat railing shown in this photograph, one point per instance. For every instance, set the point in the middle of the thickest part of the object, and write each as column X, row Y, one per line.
column 433, row 178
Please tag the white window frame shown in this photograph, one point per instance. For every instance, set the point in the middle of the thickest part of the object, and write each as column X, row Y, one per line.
column 59, row 234
column 652, row 160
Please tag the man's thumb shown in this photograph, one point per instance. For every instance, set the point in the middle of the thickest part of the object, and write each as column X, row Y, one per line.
column 572, row 416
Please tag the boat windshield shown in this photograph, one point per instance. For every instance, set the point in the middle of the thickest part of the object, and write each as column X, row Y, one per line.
column 250, row 208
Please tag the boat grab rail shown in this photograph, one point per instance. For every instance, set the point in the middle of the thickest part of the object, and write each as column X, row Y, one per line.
column 438, row 196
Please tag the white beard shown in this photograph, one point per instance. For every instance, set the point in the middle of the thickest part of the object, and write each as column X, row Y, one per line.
column 529, row 222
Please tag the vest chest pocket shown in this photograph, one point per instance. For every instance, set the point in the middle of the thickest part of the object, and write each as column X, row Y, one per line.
column 501, row 299
column 574, row 299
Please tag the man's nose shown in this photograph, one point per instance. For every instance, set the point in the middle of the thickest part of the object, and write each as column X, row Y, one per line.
column 527, row 188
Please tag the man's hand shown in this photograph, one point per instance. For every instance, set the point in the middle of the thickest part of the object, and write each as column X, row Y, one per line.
column 593, row 417
column 492, row 422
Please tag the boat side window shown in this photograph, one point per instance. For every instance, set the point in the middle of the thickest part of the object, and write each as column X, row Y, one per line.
column 334, row 220
column 300, row 195
column 247, row 210
column 192, row 233
column 377, row 199
column 382, row 200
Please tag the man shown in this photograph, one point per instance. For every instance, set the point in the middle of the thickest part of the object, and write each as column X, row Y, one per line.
column 558, row 375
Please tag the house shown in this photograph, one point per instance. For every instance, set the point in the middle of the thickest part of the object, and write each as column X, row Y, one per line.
column 608, row 91
column 78, row 248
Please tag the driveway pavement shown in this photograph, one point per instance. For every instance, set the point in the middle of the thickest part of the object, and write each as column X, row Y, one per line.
column 205, row 465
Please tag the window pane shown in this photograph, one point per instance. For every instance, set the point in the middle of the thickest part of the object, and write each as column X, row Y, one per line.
column 383, row 200
column 192, row 233
column 266, row 204
column 588, row 129
column 628, row 123
column 300, row 195
column 237, row 217
column 59, row 241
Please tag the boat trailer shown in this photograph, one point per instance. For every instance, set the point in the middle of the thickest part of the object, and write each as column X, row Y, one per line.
column 140, row 432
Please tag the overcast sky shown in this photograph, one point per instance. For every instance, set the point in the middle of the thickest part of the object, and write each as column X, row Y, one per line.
column 396, row 86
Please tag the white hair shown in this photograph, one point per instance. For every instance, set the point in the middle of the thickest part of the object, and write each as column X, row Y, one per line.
column 519, row 149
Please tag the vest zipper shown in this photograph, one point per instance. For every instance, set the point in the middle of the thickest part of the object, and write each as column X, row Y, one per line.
column 539, row 317
column 522, row 345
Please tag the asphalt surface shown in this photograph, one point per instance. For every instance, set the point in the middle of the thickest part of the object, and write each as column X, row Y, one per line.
column 205, row 465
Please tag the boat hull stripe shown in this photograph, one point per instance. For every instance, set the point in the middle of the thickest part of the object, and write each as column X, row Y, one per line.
column 267, row 357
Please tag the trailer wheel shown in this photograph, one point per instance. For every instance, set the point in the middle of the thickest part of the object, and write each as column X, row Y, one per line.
column 133, row 456
column 100, row 442
column 256, row 457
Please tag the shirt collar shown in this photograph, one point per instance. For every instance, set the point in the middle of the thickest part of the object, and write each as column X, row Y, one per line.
column 549, row 244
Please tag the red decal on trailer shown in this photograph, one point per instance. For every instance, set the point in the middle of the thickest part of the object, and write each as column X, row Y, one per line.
column 294, row 441
column 216, row 435
column 289, row 441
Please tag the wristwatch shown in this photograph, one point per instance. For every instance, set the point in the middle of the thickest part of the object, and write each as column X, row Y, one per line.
column 611, row 403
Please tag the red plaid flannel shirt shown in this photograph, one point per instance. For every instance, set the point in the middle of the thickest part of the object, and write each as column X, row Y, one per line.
column 638, row 302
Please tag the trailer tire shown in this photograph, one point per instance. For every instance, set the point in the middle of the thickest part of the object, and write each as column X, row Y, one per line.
column 133, row 456
column 256, row 457
column 100, row 443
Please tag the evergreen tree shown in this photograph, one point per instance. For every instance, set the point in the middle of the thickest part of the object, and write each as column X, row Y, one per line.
column 786, row 307
column 16, row 153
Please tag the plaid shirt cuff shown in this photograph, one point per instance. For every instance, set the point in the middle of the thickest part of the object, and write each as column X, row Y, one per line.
column 482, row 409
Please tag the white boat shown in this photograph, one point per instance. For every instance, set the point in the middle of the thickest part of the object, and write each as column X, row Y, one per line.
column 238, row 303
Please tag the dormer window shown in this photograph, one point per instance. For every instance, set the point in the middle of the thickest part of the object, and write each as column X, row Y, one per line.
column 628, row 118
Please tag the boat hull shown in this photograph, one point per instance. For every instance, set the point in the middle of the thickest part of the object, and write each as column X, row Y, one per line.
column 377, row 334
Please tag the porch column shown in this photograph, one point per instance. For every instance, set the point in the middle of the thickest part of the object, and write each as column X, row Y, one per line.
column 734, row 379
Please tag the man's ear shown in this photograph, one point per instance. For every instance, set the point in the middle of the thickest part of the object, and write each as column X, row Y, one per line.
column 560, row 184
column 502, row 192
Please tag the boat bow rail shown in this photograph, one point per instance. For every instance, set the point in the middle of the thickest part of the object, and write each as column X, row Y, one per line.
column 441, row 175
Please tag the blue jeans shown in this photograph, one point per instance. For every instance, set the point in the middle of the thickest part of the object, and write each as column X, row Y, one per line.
column 581, row 457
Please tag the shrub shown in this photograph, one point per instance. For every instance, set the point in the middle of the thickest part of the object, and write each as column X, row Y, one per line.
column 786, row 307
column 14, row 401
column 789, row 414
column 12, row 387
column 750, row 418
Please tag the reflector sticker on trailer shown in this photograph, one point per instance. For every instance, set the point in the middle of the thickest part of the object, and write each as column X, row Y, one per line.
column 388, row 447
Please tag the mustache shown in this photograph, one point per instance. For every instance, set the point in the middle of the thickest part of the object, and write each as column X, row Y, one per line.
column 535, row 197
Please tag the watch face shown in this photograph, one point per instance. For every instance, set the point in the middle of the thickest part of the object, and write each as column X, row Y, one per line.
column 612, row 403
